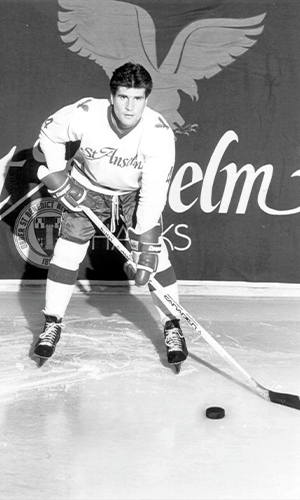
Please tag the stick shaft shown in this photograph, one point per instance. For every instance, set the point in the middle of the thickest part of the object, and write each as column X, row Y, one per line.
column 172, row 304
column 20, row 201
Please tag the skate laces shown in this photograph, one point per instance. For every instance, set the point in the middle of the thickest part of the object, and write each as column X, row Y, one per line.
column 52, row 330
column 173, row 339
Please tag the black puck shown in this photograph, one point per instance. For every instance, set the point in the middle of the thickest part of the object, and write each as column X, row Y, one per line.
column 215, row 412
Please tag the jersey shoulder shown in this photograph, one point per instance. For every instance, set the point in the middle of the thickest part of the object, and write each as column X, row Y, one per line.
column 156, row 121
column 90, row 104
column 157, row 134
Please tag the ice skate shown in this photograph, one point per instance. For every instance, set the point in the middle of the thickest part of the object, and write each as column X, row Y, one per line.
column 175, row 342
column 46, row 344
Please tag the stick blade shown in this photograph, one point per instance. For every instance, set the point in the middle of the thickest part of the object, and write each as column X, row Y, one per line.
column 285, row 399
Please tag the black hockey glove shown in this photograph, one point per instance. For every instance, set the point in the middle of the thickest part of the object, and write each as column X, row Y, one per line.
column 145, row 249
column 62, row 187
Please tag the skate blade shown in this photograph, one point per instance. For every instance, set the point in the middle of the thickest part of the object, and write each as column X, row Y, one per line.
column 177, row 367
column 41, row 362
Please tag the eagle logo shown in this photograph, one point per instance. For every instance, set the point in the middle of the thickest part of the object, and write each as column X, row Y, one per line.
column 111, row 33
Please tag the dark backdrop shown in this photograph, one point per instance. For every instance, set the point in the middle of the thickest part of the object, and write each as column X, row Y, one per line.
column 233, row 206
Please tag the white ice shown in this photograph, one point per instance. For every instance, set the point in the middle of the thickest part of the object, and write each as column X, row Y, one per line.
column 108, row 419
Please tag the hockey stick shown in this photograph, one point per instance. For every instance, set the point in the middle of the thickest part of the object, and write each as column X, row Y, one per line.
column 290, row 400
column 20, row 201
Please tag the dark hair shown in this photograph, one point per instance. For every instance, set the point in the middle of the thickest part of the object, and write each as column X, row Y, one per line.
column 131, row 75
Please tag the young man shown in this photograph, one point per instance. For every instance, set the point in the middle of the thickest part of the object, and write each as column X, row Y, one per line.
column 122, row 168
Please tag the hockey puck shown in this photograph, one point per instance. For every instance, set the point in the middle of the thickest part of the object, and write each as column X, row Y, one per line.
column 215, row 412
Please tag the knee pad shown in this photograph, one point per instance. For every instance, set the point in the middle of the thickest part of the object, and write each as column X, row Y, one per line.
column 69, row 255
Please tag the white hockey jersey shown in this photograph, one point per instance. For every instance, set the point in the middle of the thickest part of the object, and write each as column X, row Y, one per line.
column 109, row 162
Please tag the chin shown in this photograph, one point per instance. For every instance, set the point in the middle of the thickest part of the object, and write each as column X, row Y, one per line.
column 129, row 124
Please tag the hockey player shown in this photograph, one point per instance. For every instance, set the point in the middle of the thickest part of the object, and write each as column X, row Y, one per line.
column 122, row 168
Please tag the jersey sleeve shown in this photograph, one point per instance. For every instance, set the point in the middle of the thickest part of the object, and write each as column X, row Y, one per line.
column 158, row 167
column 66, row 125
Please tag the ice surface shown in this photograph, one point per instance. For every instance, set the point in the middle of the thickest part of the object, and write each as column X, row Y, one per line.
column 107, row 418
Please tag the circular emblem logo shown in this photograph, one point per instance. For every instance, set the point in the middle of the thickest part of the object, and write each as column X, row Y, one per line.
column 36, row 231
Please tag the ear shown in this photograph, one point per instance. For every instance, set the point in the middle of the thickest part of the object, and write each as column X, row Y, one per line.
column 111, row 99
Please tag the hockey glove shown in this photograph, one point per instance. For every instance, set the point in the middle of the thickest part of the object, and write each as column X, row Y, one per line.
column 65, row 189
column 130, row 269
column 145, row 248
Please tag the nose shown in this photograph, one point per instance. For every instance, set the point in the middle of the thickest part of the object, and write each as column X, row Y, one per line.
column 129, row 104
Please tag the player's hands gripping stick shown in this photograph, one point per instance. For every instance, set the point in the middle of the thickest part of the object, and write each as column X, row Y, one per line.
column 145, row 249
column 62, row 187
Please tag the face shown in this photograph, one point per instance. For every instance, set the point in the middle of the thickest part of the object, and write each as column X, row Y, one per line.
column 128, row 105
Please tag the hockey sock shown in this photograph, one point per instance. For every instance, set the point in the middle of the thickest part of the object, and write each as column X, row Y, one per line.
column 167, row 279
column 62, row 276
column 57, row 298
